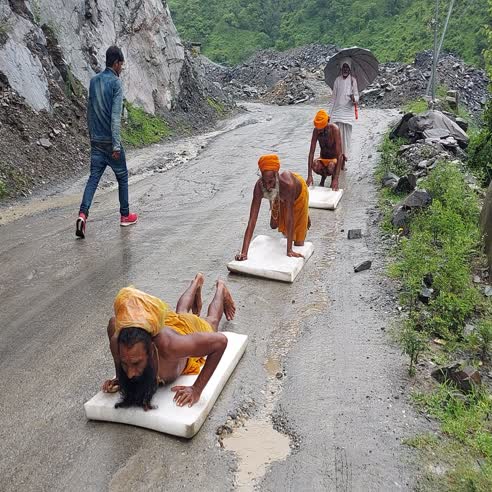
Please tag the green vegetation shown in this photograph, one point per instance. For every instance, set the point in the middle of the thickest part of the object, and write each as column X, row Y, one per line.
column 413, row 344
column 231, row 30
column 444, row 242
column 465, row 449
column 3, row 189
column 217, row 106
column 417, row 106
column 143, row 129
column 480, row 148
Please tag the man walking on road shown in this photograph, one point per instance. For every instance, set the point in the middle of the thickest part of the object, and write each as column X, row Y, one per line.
column 343, row 107
column 104, row 110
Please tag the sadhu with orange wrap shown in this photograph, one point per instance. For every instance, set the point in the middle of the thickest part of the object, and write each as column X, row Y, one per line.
column 151, row 344
column 330, row 161
column 288, row 195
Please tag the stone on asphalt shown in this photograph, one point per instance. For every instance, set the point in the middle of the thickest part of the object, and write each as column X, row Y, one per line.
column 365, row 265
column 354, row 234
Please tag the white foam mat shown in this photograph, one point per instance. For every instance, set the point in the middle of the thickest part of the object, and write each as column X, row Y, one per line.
column 321, row 197
column 267, row 258
column 167, row 417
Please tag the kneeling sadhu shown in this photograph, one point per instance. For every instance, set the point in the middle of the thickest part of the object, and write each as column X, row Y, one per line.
column 289, row 204
column 330, row 161
column 152, row 345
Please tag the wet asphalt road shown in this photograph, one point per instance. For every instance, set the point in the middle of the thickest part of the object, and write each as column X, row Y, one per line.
column 342, row 394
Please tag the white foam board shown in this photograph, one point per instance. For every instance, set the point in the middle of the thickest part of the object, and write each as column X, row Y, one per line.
column 321, row 197
column 167, row 417
column 267, row 258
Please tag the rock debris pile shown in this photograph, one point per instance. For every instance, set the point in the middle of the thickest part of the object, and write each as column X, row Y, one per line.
column 276, row 77
column 399, row 83
column 296, row 75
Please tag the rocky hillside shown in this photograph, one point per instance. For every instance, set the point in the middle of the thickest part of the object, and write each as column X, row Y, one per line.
column 50, row 49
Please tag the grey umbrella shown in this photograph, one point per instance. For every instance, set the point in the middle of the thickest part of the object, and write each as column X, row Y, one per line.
column 364, row 66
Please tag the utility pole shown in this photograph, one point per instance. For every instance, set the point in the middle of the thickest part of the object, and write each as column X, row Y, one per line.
column 435, row 23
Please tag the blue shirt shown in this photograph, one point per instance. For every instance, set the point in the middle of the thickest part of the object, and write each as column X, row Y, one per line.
column 104, row 109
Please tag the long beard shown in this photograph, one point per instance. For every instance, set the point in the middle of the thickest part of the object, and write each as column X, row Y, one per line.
column 137, row 391
column 272, row 195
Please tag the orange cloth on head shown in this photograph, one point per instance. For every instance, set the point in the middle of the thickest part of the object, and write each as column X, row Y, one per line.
column 136, row 309
column 301, row 213
column 321, row 120
column 327, row 162
column 269, row 162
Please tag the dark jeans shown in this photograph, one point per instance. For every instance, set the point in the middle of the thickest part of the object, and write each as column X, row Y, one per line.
column 101, row 157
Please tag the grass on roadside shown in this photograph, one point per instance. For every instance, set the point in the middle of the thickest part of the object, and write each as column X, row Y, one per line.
column 143, row 129
column 464, row 451
column 444, row 244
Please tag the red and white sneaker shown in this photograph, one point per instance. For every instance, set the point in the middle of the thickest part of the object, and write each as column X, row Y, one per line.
column 80, row 225
column 127, row 220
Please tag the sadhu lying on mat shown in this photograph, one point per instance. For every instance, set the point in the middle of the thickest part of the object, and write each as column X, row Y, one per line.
column 289, row 204
column 152, row 344
column 331, row 159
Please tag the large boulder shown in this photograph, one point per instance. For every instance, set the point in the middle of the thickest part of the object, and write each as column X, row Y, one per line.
column 437, row 125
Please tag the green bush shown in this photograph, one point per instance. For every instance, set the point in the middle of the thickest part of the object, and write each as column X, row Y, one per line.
column 485, row 339
column 413, row 344
column 480, row 155
column 442, row 242
column 143, row 129
column 390, row 162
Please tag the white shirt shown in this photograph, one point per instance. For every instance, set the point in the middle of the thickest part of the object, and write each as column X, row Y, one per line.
column 342, row 107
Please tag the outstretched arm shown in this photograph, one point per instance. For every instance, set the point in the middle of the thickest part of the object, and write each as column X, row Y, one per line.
column 210, row 345
column 312, row 149
column 253, row 217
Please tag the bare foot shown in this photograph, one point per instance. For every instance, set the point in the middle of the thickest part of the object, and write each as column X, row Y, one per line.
column 196, row 308
column 229, row 305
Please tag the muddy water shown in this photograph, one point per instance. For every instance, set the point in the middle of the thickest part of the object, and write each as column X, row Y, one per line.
column 257, row 446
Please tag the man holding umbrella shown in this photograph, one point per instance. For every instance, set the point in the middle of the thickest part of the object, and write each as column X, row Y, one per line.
column 343, row 105
column 347, row 72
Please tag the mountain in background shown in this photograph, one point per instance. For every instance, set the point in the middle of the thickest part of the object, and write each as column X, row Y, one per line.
column 231, row 30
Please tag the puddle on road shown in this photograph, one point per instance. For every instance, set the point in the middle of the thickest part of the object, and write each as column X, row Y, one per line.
column 272, row 366
column 257, row 446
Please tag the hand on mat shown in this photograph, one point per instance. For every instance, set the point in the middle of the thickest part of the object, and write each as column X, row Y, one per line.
column 293, row 254
column 241, row 257
column 111, row 386
column 185, row 395
column 334, row 185
column 310, row 181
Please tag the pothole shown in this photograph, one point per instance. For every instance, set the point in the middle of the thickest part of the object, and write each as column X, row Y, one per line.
column 257, row 446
